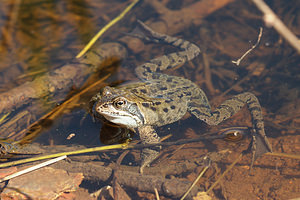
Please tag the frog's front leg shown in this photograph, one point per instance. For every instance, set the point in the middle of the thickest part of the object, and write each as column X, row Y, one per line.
column 200, row 107
column 148, row 136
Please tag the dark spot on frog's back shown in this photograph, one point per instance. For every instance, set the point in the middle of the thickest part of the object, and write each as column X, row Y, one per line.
column 173, row 107
column 165, row 110
column 163, row 88
column 145, row 105
column 147, row 69
column 157, row 62
column 155, row 76
column 157, row 103
column 143, row 91
column 153, row 108
column 144, row 73
column 188, row 93
column 134, row 91
column 171, row 59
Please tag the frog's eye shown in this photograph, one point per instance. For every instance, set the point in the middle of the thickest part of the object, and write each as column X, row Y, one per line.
column 233, row 135
column 119, row 103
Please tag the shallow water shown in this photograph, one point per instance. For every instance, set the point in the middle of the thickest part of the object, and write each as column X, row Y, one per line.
column 40, row 36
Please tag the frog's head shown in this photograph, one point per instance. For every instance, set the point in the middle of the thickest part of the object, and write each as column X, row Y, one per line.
column 117, row 107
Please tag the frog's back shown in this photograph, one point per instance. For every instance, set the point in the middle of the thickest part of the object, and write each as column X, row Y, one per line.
column 164, row 100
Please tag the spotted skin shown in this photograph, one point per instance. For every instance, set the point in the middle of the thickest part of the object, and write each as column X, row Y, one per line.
column 161, row 99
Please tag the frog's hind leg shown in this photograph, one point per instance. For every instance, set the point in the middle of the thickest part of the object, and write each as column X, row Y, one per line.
column 152, row 69
column 201, row 109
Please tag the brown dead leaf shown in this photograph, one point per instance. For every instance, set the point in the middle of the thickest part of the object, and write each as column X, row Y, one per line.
column 45, row 183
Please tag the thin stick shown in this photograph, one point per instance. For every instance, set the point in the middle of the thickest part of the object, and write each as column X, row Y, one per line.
column 225, row 172
column 3, row 117
column 272, row 20
column 117, row 146
column 247, row 52
column 43, row 164
column 156, row 194
column 194, row 183
column 107, row 26
column 166, row 137
column 285, row 155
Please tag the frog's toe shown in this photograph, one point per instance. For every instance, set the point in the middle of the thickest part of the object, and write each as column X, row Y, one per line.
column 142, row 169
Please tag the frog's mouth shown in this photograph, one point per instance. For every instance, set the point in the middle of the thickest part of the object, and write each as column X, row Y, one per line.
column 127, row 121
column 125, row 117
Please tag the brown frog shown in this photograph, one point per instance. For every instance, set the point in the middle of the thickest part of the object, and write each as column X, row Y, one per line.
column 161, row 99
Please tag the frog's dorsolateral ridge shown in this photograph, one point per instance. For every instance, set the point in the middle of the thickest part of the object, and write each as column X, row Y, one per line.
column 161, row 99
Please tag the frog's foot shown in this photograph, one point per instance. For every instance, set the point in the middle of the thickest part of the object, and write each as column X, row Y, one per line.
column 147, row 156
column 258, row 146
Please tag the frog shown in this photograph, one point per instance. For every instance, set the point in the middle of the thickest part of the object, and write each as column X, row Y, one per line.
column 159, row 99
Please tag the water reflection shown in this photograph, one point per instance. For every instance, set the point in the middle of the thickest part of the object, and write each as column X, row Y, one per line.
column 112, row 134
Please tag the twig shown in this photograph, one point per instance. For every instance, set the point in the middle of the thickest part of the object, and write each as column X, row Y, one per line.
column 285, row 155
column 156, row 194
column 194, row 183
column 3, row 117
column 33, row 168
column 272, row 20
column 117, row 146
column 225, row 172
column 247, row 52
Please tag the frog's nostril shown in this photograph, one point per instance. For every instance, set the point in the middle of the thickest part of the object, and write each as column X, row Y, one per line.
column 105, row 105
